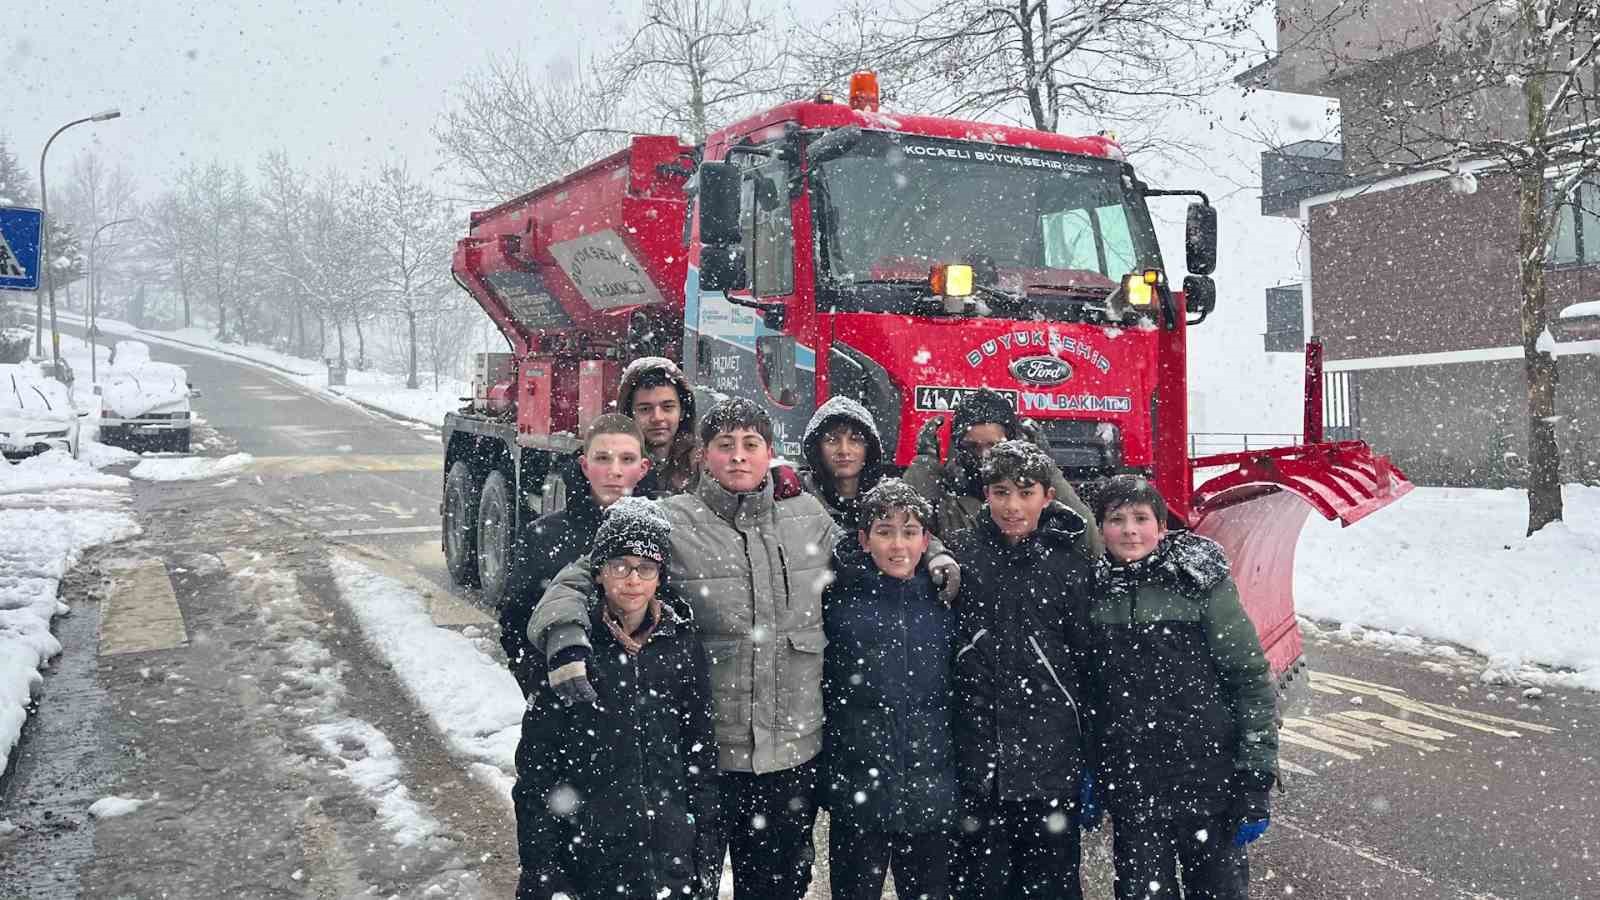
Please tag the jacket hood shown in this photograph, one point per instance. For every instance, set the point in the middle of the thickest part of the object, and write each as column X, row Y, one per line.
column 1183, row 558
column 676, row 472
column 644, row 365
column 835, row 412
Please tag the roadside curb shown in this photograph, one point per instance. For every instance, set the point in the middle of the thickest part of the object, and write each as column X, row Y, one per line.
column 81, row 322
column 380, row 410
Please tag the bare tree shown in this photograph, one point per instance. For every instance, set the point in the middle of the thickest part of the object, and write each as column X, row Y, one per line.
column 168, row 241
column 96, row 195
column 1509, row 88
column 509, row 130
column 413, row 231
column 695, row 65
column 1049, row 65
column 225, row 255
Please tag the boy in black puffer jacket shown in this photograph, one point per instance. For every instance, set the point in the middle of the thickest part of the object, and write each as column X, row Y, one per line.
column 621, row 793
column 1021, row 725
column 1188, row 728
column 889, row 772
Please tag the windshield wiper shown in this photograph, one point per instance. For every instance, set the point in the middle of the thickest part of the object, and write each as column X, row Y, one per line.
column 1081, row 292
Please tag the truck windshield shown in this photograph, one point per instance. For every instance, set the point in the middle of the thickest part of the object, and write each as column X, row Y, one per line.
column 894, row 205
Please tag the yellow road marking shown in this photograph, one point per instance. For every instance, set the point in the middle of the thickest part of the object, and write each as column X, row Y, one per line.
column 1290, row 736
column 296, row 466
column 140, row 612
column 1466, row 718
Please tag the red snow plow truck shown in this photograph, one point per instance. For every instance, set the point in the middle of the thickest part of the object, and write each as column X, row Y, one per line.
column 824, row 248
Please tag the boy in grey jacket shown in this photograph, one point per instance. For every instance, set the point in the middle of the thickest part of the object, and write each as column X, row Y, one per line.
column 752, row 564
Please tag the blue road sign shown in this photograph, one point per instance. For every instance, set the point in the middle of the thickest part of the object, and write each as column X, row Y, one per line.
column 19, row 248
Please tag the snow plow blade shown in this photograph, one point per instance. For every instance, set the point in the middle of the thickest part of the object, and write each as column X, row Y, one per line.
column 1256, row 510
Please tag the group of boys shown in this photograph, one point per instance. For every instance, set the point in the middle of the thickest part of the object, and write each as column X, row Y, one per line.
column 704, row 670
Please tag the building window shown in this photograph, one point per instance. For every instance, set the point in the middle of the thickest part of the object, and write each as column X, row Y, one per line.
column 1576, row 239
column 1285, row 320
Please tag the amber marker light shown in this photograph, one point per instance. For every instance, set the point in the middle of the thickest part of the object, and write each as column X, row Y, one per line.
column 951, row 281
column 864, row 91
column 1140, row 287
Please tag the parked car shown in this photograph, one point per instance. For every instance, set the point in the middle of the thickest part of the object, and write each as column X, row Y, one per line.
column 144, row 404
column 36, row 413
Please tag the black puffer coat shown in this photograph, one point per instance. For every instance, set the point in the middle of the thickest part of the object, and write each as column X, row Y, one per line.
column 1188, row 712
column 1021, row 710
column 546, row 546
column 888, row 750
column 630, row 781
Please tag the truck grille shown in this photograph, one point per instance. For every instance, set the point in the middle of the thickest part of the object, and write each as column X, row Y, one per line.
column 1080, row 446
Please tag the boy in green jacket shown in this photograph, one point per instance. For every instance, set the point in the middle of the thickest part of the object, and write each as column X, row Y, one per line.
column 1186, row 713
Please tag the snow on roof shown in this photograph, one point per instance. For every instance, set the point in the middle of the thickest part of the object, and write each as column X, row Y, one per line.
column 132, row 392
column 24, row 391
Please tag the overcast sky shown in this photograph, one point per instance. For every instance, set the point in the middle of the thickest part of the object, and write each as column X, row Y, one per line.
column 356, row 84
column 349, row 84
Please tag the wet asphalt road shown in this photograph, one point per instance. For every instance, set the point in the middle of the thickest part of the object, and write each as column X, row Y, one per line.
column 1410, row 778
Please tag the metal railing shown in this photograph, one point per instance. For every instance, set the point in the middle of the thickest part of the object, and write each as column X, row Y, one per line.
column 1207, row 443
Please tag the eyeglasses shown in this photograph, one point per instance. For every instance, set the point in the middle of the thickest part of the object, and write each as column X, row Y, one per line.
column 620, row 569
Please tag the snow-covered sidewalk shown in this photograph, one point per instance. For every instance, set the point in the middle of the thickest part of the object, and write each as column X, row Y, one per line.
column 52, row 509
column 1451, row 564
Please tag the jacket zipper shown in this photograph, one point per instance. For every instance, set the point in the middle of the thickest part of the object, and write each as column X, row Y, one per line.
column 783, row 564
column 1057, row 679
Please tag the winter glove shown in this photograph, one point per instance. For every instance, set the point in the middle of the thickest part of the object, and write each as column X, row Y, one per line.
column 928, row 437
column 1031, row 432
column 1089, row 811
column 1252, row 805
column 569, row 676
column 946, row 575
column 1249, row 831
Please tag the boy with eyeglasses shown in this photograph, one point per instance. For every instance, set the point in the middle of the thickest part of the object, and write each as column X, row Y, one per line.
column 628, row 783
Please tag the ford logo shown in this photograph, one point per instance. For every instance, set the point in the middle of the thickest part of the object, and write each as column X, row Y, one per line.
column 1042, row 370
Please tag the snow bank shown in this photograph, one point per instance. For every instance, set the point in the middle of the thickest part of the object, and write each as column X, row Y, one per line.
column 369, row 760
column 1451, row 564
column 189, row 468
column 52, row 470
column 471, row 698
column 101, row 455
column 37, row 548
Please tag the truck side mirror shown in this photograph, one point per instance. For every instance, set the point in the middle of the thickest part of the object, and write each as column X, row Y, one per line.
column 720, row 183
column 1200, row 239
column 1199, row 294
column 722, row 267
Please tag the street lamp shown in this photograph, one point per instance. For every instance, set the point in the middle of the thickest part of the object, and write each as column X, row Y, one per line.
column 44, row 246
column 94, row 298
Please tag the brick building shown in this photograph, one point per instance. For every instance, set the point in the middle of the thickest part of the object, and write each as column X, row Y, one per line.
column 1411, row 280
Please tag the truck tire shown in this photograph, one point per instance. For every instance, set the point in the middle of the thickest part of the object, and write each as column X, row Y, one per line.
column 461, row 524
column 497, row 533
column 178, row 441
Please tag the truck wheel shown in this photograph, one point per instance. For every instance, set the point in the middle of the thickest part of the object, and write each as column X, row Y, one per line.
column 461, row 525
column 178, row 442
column 497, row 531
